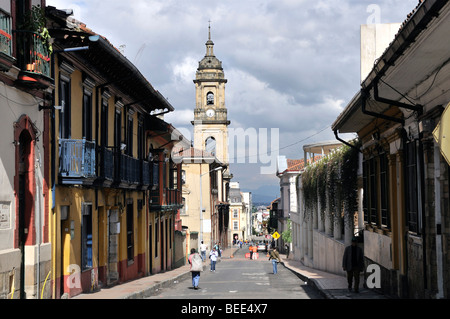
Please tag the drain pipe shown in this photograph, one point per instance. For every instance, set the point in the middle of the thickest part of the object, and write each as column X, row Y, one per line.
column 345, row 142
column 364, row 95
column 417, row 108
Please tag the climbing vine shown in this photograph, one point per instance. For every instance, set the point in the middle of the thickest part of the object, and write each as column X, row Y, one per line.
column 35, row 21
column 332, row 182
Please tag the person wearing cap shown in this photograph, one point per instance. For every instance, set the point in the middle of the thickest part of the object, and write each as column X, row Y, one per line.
column 353, row 263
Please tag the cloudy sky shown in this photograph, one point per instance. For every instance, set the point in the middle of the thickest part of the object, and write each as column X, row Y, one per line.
column 292, row 65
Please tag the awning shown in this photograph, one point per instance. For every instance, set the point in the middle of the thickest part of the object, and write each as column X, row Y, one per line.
column 415, row 57
column 442, row 134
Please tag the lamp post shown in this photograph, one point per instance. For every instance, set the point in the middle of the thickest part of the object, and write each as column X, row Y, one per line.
column 201, row 199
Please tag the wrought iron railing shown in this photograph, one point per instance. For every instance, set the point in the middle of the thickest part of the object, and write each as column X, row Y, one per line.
column 5, row 34
column 34, row 56
column 76, row 158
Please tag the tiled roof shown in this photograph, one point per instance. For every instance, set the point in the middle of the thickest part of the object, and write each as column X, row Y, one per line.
column 295, row 164
column 299, row 164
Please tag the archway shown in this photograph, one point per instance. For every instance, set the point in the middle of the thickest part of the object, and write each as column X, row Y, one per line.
column 210, row 145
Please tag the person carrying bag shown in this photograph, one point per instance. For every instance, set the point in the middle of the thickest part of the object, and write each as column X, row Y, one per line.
column 196, row 262
column 275, row 257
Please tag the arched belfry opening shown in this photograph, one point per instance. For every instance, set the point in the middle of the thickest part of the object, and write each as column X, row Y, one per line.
column 210, row 145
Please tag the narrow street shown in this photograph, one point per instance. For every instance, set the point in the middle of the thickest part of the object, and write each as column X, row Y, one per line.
column 241, row 278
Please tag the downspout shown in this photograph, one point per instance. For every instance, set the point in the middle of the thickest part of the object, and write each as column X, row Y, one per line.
column 345, row 142
column 364, row 95
column 420, row 190
column 417, row 108
column 52, row 149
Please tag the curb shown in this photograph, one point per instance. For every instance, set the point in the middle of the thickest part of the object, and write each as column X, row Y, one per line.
column 310, row 282
column 152, row 290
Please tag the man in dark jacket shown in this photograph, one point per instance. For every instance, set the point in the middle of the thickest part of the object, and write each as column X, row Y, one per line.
column 353, row 264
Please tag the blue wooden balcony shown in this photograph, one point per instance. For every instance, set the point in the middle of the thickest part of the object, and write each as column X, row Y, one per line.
column 76, row 161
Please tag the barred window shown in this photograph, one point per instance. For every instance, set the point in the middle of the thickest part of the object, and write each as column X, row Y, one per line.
column 376, row 191
column 412, row 205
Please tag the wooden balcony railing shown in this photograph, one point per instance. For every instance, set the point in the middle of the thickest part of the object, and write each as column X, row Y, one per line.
column 77, row 166
column 107, row 164
column 170, row 199
column 76, row 160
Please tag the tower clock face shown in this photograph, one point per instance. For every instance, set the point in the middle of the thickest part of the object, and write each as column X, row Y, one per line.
column 210, row 113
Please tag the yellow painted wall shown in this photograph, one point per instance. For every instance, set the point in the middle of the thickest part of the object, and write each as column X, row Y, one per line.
column 191, row 193
column 66, row 248
column 74, row 198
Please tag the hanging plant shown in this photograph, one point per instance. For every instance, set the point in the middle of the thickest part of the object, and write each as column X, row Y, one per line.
column 332, row 182
column 349, row 173
column 35, row 21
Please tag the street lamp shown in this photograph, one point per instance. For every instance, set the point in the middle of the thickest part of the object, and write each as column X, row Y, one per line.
column 201, row 200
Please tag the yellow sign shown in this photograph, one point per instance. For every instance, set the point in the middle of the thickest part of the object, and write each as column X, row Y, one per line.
column 276, row 235
column 442, row 134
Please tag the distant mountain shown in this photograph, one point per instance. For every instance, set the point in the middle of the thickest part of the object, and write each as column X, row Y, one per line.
column 264, row 194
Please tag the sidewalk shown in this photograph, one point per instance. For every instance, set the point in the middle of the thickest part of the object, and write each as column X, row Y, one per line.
column 146, row 286
column 331, row 286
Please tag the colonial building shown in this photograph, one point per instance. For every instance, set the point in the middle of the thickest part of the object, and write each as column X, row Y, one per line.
column 308, row 222
column 25, row 91
column 406, row 177
column 200, row 196
column 115, row 189
column 287, row 171
column 206, row 165
column 239, row 214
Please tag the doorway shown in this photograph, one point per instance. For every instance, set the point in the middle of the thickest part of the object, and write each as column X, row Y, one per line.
column 25, row 202
column 113, row 230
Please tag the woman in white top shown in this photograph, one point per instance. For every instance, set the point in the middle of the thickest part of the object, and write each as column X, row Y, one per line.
column 213, row 256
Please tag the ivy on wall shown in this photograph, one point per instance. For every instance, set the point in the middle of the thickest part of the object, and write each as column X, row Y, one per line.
column 332, row 182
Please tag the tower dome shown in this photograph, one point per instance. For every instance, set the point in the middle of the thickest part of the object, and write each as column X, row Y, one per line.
column 210, row 61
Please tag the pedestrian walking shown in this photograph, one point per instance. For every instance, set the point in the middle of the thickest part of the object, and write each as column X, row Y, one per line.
column 196, row 262
column 250, row 248
column 353, row 263
column 275, row 257
column 203, row 248
column 287, row 250
column 213, row 257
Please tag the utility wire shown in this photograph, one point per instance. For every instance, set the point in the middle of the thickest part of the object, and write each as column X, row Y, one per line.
column 284, row 147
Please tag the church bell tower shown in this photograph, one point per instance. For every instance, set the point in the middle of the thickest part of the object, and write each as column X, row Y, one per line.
column 210, row 114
